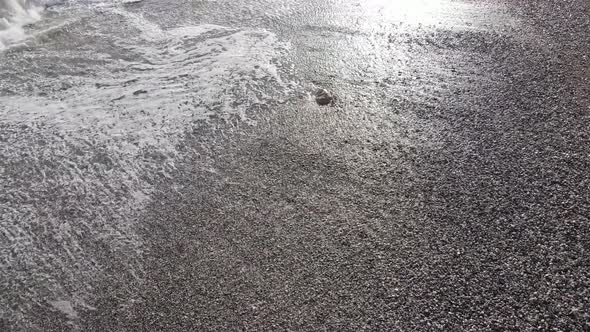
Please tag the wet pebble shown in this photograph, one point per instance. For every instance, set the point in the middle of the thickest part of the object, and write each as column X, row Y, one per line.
column 323, row 97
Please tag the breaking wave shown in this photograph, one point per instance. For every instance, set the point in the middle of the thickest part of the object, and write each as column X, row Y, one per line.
column 14, row 16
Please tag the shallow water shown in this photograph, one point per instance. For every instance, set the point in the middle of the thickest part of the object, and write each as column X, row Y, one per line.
column 93, row 100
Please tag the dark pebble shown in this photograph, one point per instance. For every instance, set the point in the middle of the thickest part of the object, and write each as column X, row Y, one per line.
column 323, row 97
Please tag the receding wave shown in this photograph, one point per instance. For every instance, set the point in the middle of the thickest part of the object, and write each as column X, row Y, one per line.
column 111, row 96
column 14, row 16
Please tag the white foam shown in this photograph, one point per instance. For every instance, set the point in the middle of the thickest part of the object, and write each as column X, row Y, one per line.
column 183, row 75
column 14, row 16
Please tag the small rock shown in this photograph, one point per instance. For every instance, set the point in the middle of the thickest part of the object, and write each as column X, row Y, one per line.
column 323, row 97
column 139, row 92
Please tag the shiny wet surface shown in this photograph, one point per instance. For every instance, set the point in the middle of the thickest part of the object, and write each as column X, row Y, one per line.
column 446, row 189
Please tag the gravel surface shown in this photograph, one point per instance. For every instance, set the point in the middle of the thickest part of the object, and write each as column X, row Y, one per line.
column 452, row 194
column 468, row 213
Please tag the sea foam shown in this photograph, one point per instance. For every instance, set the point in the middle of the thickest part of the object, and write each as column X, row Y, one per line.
column 14, row 16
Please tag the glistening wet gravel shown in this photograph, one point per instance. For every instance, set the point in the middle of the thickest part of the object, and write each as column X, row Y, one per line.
column 446, row 189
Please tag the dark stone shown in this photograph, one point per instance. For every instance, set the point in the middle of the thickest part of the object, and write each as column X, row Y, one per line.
column 139, row 92
column 323, row 97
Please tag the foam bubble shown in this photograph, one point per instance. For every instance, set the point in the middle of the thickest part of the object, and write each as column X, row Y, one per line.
column 14, row 16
